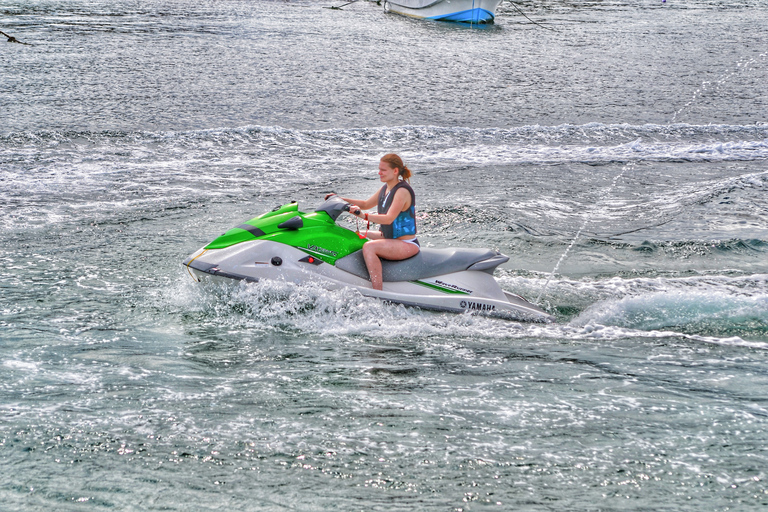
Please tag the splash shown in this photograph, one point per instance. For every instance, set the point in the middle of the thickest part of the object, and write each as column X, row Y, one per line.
column 727, row 310
column 709, row 309
column 605, row 195
column 715, row 88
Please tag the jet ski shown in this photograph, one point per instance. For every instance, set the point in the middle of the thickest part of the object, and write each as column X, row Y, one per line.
column 286, row 244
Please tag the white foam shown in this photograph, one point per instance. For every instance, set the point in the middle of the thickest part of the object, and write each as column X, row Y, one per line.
column 281, row 306
column 678, row 307
column 621, row 308
column 641, row 151
column 28, row 366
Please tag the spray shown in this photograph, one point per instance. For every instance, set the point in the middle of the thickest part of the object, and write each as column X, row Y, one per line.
column 587, row 220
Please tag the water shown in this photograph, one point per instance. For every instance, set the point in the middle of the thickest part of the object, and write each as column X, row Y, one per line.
column 628, row 149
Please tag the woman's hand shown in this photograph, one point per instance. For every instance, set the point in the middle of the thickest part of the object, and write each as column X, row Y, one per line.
column 329, row 195
column 357, row 212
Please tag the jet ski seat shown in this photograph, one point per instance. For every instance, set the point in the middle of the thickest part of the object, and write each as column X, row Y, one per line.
column 427, row 263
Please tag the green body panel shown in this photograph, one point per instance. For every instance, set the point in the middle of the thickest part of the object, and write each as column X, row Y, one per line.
column 320, row 236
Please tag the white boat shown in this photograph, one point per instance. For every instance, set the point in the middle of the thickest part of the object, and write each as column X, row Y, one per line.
column 462, row 11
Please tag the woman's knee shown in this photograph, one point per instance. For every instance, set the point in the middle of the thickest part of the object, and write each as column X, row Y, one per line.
column 369, row 248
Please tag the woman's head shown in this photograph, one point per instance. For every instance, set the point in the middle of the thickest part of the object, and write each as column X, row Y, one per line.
column 396, row 163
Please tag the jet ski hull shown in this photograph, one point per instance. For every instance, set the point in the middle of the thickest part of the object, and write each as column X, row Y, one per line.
column 474, row 291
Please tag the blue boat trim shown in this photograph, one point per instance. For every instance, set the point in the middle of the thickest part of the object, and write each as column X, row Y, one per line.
column 476, row 15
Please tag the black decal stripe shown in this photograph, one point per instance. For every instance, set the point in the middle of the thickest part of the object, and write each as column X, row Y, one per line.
column 214, row 271
column 202, row 267
column 252, row 230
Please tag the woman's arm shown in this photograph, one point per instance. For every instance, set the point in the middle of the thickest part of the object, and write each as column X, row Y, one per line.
column 364, row 204
column 400, row 203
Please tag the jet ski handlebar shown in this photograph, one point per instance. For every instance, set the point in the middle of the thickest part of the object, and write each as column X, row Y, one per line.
column 334, row 206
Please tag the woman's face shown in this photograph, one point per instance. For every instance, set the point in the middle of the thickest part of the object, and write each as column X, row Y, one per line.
column 387, row 172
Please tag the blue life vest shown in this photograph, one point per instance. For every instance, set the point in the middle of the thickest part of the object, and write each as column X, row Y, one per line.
column 405, row 223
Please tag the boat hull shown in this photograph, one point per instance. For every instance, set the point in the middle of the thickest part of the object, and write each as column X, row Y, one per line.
column 465, row 291
column 462, row 11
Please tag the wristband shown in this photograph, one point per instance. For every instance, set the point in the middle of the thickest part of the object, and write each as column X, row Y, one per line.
column 366, row 216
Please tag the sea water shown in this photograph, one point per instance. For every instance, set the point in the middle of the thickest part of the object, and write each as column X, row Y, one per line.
column 627, row 147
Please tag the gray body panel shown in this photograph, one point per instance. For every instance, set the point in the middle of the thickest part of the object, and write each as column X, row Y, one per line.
column 427, row 263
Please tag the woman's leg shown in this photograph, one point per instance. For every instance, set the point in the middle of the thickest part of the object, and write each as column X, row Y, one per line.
column 389, row 249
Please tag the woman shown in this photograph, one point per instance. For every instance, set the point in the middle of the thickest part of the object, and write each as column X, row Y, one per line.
column 396, row 216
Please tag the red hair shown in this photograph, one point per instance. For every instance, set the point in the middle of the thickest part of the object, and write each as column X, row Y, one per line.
column 396, row 162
